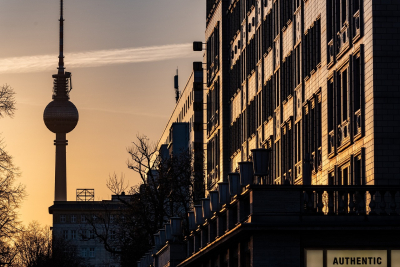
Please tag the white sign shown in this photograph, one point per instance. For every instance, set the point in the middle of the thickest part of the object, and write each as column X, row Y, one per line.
column 344, row 258
column 365, row 258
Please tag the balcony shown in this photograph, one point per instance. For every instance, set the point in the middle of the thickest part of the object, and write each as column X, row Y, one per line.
column 264, row 208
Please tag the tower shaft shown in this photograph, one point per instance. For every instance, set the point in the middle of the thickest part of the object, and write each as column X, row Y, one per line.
column 60, row 190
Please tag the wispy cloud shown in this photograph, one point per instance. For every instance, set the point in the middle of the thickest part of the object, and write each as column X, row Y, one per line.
column 95, row 58
column 116, row 111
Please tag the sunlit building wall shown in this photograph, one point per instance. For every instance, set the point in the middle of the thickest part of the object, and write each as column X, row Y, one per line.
column 307, row 80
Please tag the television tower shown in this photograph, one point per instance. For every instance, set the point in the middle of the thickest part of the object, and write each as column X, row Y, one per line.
column 61, row 116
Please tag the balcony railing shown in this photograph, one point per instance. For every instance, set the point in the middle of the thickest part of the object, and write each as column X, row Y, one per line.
column 351, row 200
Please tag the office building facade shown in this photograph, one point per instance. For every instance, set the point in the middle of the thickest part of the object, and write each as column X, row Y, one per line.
column 316, row 84
column 313, row 81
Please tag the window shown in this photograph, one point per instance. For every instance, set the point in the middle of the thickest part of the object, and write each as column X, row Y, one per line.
column 312, row 47
column 83, row 218
column 213, row 107
column 91, row 253
column 331, row 118
column 83, row 234
column 235, row 134
column 73, row 218
column 297, row 72
column 259, row 99
column 287, row 77
column 62, row 218
column 250, row 4
column 343, row 14
column 277, row 81
column 251, row 56
column 356, row 18
column 297, row 3
column 234, row 21
column 313, row 134
column 344, row 175
column 111, row 218
column 343, row 106
column 298, row 154
column 318, row 124
column 73, row 234
column 213, row 55
column 287, row 11
column 276, row 10
column 84, row 252
column 267, row 33
column 112, row 235
column 287, row 151
column 91, row 234
column 213, row 161
column 267, row 103
column 65, row 234
column 251, row 125
column 344, row 95
column 277, row 163
column 358, row 94
column 358, row 169
column 259, row 44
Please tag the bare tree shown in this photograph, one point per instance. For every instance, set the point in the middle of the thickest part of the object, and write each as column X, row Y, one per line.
column 36, row 248
column 33, row 245
column 7, row 101
column 11, row 194
column 116, row 185
column 165, row 190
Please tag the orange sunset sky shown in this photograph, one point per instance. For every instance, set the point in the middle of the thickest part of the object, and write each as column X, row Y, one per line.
column 122, row 55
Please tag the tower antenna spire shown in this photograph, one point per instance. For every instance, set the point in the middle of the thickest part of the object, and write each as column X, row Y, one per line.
column 61, row 49
column 61, row 116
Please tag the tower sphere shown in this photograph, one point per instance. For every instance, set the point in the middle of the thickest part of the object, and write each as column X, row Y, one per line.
column 60, row 116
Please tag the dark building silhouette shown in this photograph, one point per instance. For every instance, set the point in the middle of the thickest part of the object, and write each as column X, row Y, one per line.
column 302, row 137
column 76, row 221
column 184, row 130
column 61, row 117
